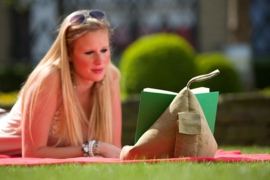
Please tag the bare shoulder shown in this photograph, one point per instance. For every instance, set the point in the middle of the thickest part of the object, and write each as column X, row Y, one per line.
column 47, row 83
column 51, row 80
column 53, row 77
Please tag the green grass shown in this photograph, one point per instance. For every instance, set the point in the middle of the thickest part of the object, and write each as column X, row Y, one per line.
column 247, row 149
column 164, row 170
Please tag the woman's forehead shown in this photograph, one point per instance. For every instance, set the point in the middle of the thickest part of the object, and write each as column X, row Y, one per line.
column 93, row 39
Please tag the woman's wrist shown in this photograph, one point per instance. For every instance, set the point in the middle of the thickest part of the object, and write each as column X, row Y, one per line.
column 102, row 148
column 91, row 148
column 96, row 148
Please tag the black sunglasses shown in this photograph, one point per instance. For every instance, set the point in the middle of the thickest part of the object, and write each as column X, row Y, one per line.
column 80, row 18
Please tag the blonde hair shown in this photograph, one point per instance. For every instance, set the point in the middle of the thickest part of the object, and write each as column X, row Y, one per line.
column 73, row 117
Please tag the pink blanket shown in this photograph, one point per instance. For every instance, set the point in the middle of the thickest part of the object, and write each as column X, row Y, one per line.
column 225, row 156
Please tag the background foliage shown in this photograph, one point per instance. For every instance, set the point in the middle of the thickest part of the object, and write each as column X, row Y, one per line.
column 167, row 61
column 227, row 81
column 162, row 61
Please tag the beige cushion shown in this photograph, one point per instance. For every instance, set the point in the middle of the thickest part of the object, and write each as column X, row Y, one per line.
column 181, row 131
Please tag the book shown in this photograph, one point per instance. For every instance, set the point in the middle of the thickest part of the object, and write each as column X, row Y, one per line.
column 153, row 102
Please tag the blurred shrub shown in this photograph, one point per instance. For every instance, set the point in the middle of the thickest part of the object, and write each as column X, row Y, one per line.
column 227, row 81
column 13, row 76
column 162, row 61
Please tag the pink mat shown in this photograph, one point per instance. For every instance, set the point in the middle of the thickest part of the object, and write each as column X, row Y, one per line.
column 221, row 156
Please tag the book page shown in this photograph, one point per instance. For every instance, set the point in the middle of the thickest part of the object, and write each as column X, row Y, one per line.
column 158, row 91
column 200, row 90
column 195, row 90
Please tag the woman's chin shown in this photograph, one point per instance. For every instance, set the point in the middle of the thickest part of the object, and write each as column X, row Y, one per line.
column 98, row 79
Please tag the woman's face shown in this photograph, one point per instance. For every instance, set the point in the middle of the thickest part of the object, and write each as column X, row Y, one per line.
column 90, row 56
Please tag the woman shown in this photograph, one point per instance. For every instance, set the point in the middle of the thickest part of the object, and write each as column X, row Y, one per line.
column 71, row 99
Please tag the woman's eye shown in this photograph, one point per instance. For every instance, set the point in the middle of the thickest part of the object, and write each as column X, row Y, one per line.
column 89, row 52
column 104, row 50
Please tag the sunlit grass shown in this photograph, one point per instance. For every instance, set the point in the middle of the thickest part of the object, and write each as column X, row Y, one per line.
column 163, row 170
column 247, row 149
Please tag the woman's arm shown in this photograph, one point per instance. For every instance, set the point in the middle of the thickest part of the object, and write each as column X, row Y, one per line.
column 35, row 133
column 113, row 150
column 116, row 111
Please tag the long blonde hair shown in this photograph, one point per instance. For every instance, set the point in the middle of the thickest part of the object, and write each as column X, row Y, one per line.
column 100, row 122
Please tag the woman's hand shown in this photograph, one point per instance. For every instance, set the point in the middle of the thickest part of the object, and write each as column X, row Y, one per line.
column 108, row 150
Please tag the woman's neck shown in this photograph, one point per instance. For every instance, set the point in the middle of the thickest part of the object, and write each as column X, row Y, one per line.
column 82, row 86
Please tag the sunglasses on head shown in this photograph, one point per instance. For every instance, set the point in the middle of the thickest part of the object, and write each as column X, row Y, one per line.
column 80, row 18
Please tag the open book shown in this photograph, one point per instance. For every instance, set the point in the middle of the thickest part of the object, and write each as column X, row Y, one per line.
column 154, row 102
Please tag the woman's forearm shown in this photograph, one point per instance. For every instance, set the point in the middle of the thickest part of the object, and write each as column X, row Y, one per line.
column 105, row 150
column 108, row 150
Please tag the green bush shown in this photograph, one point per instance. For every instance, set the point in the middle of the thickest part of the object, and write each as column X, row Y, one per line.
column 162, row 61
column 227, row 81
column 12, row 76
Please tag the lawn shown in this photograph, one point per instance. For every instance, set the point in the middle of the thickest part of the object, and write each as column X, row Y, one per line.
column 164, row 170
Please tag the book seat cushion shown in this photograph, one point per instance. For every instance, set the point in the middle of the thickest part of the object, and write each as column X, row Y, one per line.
column 181, row 131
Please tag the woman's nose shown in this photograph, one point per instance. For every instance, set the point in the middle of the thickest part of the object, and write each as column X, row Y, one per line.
column 98, row 59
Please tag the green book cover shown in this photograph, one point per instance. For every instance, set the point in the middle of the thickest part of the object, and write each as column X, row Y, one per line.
column 153, row 104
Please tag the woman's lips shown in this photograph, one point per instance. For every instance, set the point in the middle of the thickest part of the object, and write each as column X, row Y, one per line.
column 97, row 70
